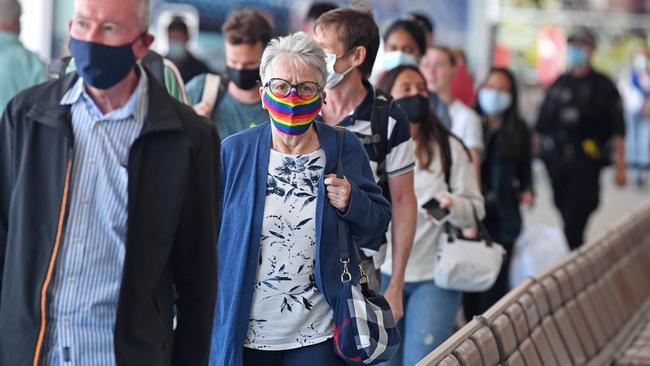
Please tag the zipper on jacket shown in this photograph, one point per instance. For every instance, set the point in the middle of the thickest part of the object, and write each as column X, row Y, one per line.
column 50, row 269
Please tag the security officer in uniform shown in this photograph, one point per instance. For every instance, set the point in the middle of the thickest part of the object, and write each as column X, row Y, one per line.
column 580, row 119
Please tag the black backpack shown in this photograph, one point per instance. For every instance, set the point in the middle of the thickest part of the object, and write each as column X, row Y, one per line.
column 153, row 61
column 379, row 116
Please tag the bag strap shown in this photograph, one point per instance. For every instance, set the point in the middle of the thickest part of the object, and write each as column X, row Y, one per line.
column 447, row 168
column 479, row 223
column 342, row 225
column 153, row 61
column 211, row 90
column 379, row 126
column 481, row 228
column 57, row 67
column 340, row 131
column 175, row 86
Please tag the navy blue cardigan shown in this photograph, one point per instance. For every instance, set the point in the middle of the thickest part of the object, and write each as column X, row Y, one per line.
column 244, row 167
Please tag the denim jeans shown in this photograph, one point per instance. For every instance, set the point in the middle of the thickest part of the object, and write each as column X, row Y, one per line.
column 429, row 314
column 637, row 143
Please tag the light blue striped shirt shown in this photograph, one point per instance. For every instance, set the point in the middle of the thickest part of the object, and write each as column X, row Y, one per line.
column 88, row 274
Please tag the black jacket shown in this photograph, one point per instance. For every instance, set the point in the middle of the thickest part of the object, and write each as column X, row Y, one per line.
column 506, row 172
column 576, row 109
column 171, row 238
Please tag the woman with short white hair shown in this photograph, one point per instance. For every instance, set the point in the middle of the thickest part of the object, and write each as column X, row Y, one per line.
column 279, row 267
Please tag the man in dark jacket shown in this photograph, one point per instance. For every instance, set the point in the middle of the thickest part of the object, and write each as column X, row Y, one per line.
column 580, row 118
column 187, row 63
column 108, row 209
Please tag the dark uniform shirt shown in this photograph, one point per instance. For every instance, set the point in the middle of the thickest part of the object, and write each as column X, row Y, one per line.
column 579, row 116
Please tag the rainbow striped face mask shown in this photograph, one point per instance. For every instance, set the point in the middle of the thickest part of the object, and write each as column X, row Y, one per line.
column 291, row 115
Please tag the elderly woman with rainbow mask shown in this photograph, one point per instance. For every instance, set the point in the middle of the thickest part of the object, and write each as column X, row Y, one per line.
column 279, row 267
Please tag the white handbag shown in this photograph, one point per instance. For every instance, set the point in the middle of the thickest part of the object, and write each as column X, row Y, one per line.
column 467, row 265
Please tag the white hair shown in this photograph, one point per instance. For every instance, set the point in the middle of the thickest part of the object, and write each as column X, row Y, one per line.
column 9, row 11
column 300, row 50
column 142, row 12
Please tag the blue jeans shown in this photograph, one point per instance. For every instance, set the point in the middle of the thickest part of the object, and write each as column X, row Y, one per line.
column 637, row 143
column 429, row 314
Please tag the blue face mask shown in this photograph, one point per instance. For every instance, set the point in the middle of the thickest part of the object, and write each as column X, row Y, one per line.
column 576, row 57
column 102, row 66
column 392, row 59
column 494, row 102
column 176, row 50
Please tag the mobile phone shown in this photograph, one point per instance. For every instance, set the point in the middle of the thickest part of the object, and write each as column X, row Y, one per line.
column 440, row 215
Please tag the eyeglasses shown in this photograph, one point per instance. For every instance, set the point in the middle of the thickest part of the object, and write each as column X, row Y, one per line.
column 282, row 88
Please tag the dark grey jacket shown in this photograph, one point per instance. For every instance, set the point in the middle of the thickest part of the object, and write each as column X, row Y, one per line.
column 171, row 239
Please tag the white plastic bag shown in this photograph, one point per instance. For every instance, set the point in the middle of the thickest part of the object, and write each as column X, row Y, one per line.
column 536, row 249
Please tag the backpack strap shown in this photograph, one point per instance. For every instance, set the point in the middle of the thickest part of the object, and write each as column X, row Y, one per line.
column 446, row 145
column 155, row 64
column 174, row 82
column 56, row 68
column 211, row 88
column 446, row 169
column 379, row 116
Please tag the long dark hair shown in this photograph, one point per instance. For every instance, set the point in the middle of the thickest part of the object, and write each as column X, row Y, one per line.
column 514, row 142
column 413, row 29
column 431, row 132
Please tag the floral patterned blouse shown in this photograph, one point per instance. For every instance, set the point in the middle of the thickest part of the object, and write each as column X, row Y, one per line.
column 288, row 310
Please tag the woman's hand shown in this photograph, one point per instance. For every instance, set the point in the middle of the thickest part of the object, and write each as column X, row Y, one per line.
column 338, row 191
column 445, row 201
column 527, row 198
column 471, row 232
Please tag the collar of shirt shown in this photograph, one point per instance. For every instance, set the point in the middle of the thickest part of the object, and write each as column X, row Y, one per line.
column 136, row 105
column 8, row 37
column 363, row 111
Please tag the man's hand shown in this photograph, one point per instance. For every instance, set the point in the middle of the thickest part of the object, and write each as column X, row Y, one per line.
column 395, row 297
column 203, row 109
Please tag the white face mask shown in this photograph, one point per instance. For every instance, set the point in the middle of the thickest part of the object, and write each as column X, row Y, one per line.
column 333, row 77
column 494, row 102
column 640, row 63
column 392, row 59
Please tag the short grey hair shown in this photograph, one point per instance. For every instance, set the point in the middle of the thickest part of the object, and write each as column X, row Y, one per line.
column 142, row 12
column 9, row 11
column 300, row 50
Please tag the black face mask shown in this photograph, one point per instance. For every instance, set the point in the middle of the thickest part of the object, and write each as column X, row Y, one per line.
column 416, row 108
column 244, row 78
